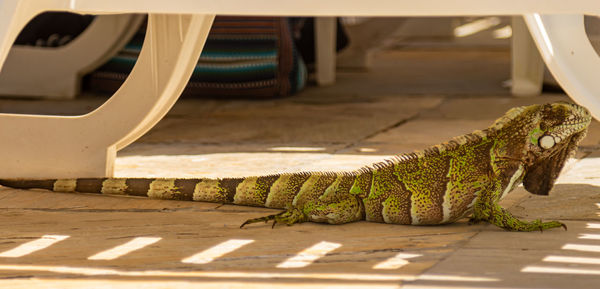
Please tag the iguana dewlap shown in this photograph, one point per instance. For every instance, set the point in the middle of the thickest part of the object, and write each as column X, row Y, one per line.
column 465, row 176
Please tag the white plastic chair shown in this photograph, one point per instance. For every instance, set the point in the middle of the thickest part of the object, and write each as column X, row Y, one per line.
column 528, row 69
column 56, row 72
column 39, row 146
column 527, row 66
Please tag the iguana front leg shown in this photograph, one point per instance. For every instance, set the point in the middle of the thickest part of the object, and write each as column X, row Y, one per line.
column 495, row 214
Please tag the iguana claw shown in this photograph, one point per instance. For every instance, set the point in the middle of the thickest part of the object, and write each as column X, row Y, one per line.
column 474, row 221
column 266, row 219
column 288, row 217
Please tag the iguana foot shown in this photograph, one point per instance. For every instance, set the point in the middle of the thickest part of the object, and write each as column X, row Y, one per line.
column 288, row 217
column 504, row 219
column 474, row 221
column 537, row 225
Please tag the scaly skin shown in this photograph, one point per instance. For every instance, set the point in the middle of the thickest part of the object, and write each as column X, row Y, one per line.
column 466, row 176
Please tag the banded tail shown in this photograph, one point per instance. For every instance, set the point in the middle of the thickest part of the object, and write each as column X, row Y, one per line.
column 320, row 197
column 271, row 191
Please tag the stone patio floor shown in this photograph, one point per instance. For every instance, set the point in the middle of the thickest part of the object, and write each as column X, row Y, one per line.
column 408, row 100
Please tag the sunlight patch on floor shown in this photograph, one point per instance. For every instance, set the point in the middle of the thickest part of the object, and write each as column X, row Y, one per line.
column 503, row 33
column 592, row 226
column 221, row 165
column 580, row 247
column 88, row 271
column 33, row 246
column 309, row 255
column 118, row 251
column 297, row 149
column 572, row 261
column 396, row 262
column 569, row 259
column 476, row 26
column 48, row 283
column 216, row 251
column 589, row 236
column 581, row 171
column 560, row 270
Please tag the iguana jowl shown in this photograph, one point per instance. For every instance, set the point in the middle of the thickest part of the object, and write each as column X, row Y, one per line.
column 467, row 175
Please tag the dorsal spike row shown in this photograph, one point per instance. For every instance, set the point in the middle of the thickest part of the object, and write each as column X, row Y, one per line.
column 506, row 118
column 405, row 157
column 452, row 144
column 363, row 170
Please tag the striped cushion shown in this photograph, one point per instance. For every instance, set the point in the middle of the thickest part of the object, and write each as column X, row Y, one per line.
column 243, row 57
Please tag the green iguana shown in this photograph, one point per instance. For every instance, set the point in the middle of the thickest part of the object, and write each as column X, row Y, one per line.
column 466, row 175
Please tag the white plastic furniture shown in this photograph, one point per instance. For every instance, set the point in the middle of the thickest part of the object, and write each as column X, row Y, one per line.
column 325, row 50
column 528, row 69
column 39, row 146
column 569, row 55
column 527, row 66
column 56, row 72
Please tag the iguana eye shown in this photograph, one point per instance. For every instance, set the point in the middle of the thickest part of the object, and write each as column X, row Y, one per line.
column 547, row 142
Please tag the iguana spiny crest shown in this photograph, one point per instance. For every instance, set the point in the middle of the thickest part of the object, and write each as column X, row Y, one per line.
column 465, row 176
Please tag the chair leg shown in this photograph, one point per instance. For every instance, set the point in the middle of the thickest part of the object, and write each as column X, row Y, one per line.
column 325, row 32
column 35, row 146
column 527, row 65
column 569, row 55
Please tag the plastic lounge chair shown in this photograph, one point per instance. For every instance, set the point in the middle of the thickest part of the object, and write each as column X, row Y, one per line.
column 528, row 69
column 38, row 146
column 56, row 73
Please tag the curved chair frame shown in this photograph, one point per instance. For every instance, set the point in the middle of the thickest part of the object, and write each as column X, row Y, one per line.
column 56, row 72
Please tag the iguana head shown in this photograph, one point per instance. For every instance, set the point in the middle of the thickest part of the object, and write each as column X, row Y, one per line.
column 543, row 137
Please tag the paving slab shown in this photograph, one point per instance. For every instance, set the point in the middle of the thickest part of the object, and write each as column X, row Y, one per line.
column 530, row 260
column 287, row 122
column 444, row 72
column 487, row 107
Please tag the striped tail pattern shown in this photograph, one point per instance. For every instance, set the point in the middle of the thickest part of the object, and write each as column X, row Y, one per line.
column 294, row 192
column 412, row 188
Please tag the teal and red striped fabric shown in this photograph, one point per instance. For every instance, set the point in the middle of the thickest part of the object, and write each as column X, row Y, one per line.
column 243, row 57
